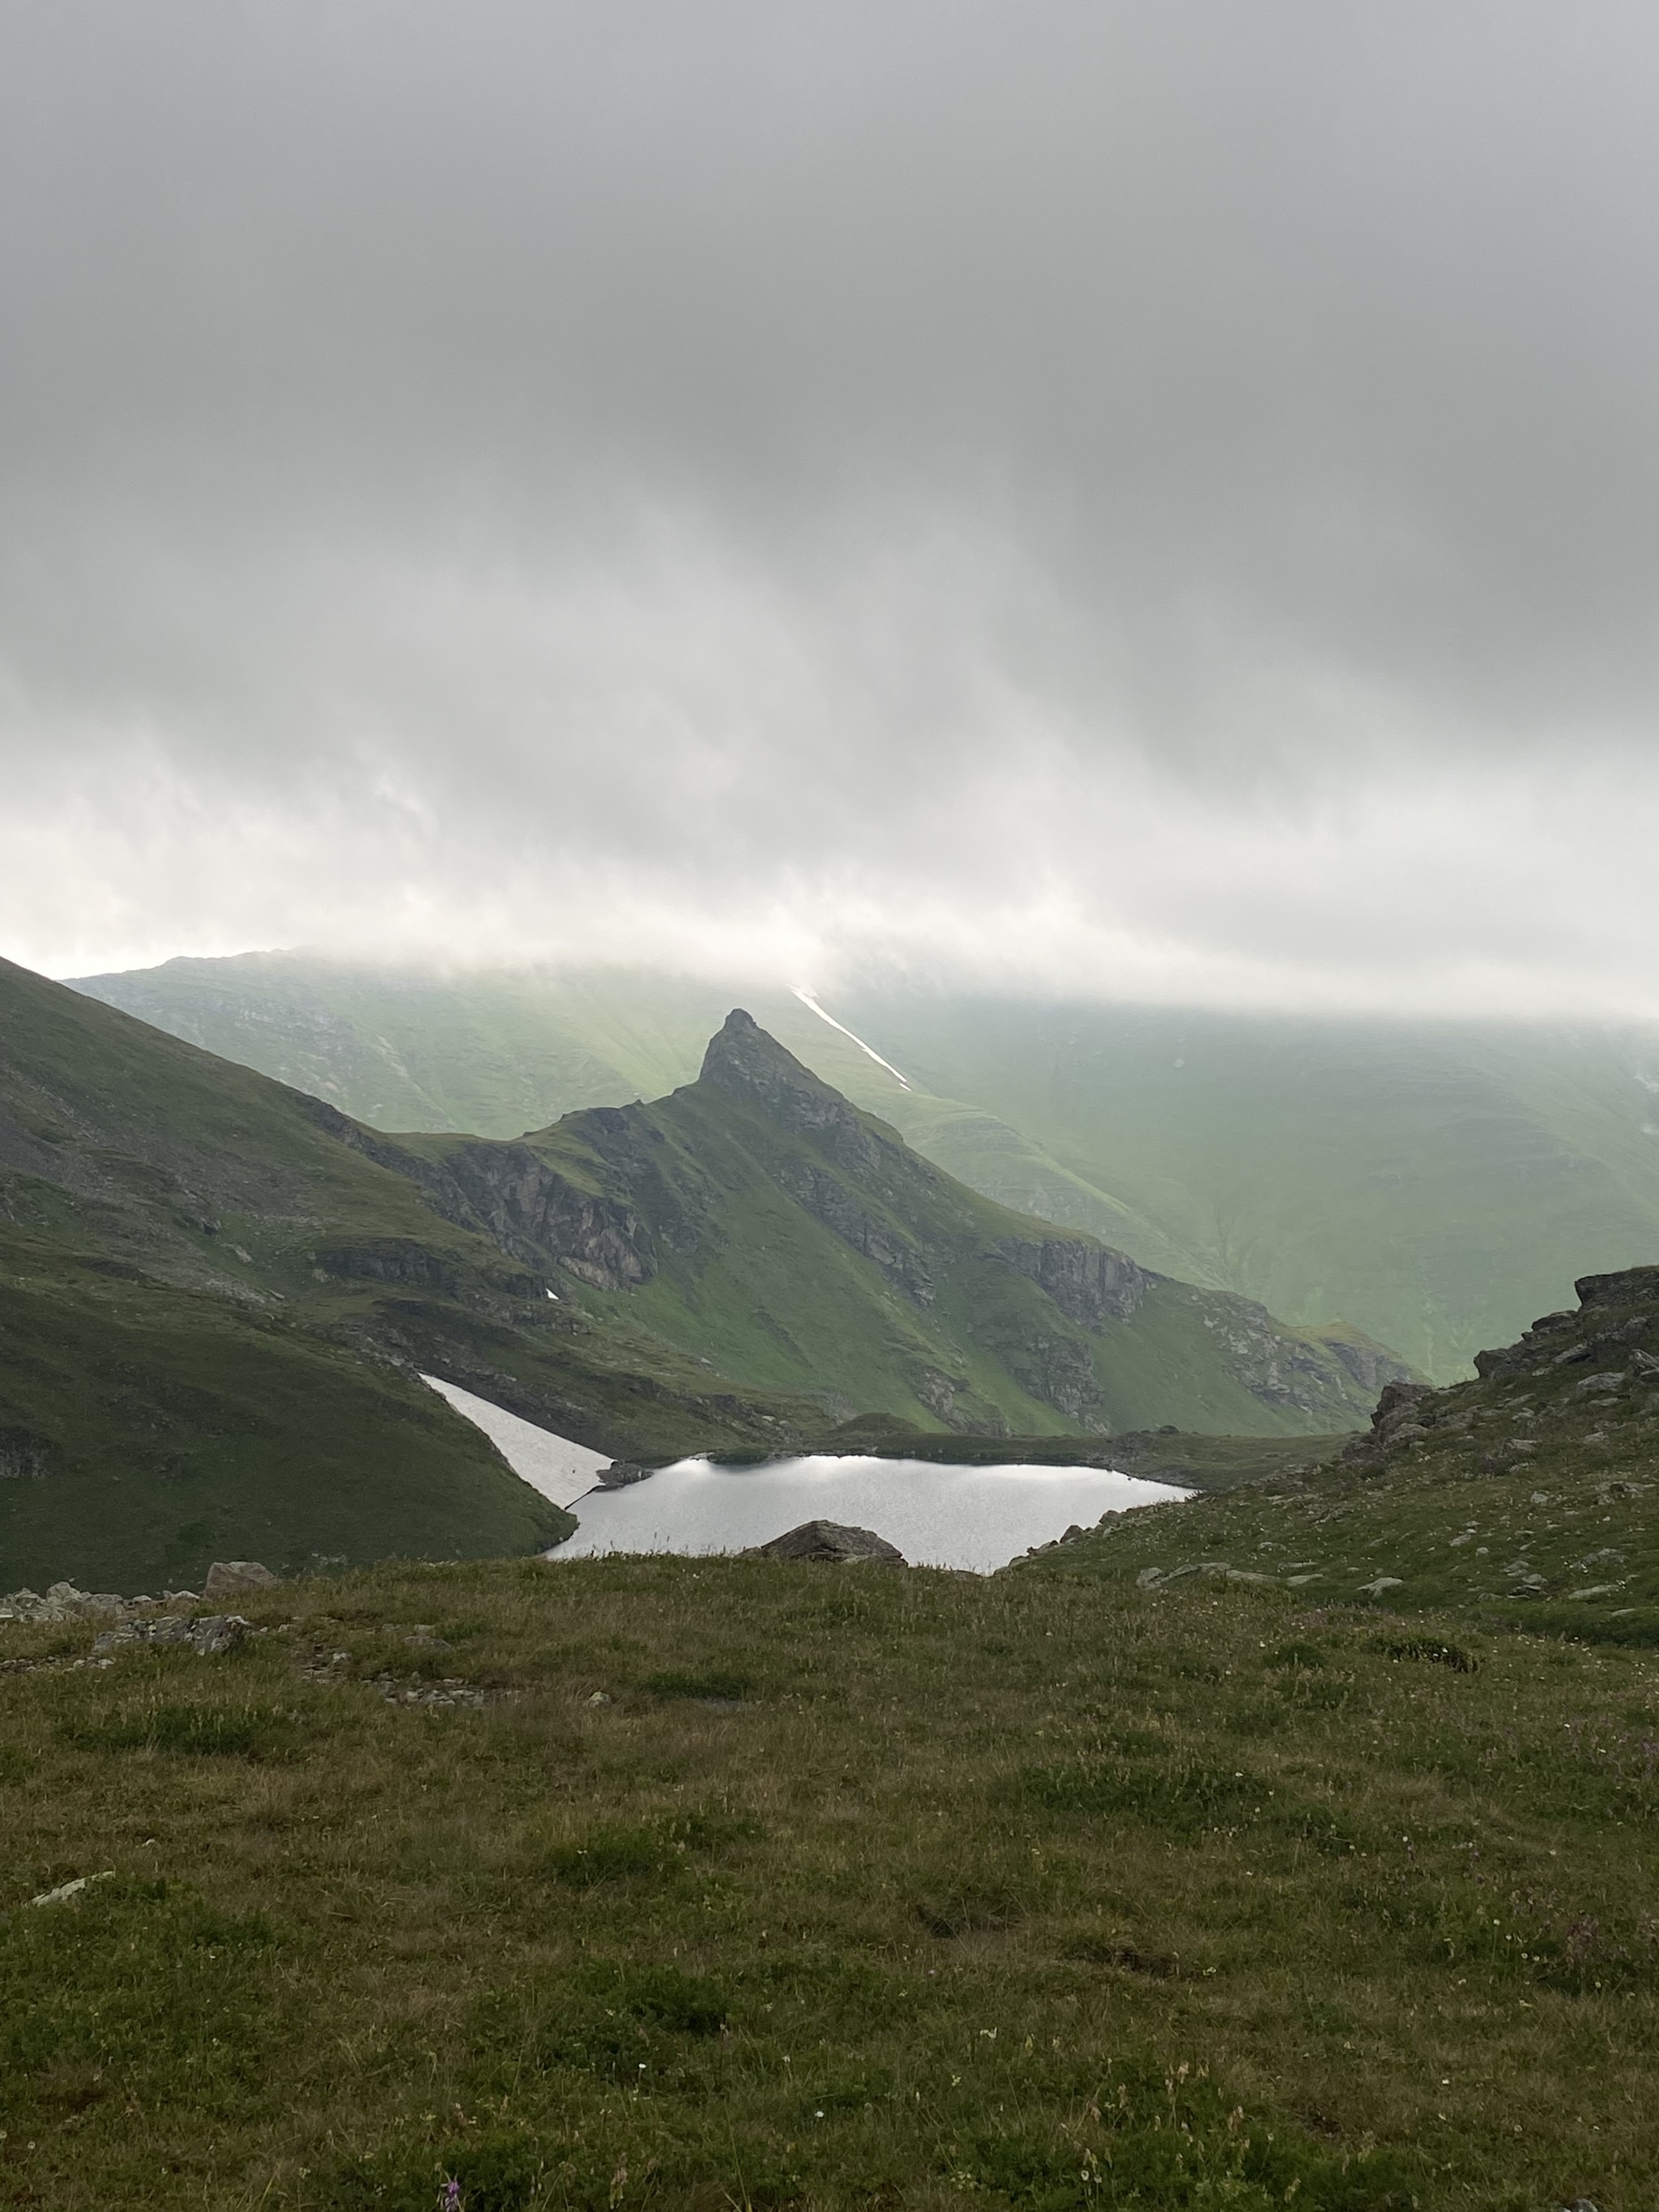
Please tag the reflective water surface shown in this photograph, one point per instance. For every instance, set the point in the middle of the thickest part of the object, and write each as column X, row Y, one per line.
column 976, row 1517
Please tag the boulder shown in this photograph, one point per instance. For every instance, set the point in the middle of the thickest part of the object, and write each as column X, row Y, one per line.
column 229, row 1577
column 827, row 1542
column 620, row 1473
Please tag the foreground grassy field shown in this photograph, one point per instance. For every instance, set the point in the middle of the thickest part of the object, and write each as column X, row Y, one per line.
column 751, row 1885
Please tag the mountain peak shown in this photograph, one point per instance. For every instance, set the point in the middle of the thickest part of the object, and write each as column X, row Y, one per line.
column 745, row 1061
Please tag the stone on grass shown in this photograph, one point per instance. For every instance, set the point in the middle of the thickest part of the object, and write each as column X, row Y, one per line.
column 207, row 1635
column 66, row 1890
column 227, row 1577
column 830, row 1544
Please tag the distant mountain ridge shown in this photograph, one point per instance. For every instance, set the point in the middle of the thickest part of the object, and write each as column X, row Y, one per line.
column 217, row 1292
column 1434, row 1183
column 757, row 1218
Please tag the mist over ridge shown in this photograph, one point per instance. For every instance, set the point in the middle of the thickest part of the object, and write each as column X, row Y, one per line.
column 1148, row 502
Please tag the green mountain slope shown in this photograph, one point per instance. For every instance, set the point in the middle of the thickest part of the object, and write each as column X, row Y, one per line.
column 148, row 1430
column 220, row 1290
column 758, row 1219
column 215, row 1302
column 1528, row 1495
column 1431, row 1183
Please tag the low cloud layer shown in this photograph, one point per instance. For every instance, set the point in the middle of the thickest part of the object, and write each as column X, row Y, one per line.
column 1150, row 500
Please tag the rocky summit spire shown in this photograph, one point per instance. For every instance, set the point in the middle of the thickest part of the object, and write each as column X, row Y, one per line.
column 745, row 1062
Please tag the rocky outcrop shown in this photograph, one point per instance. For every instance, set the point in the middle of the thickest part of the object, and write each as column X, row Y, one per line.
column 1060, row 1371
column 236, row 1577
column 1395, row 1422
column 1580, row 1380
column 387, row 1260
column 1372, row 1366
column 746, row 1063
column 134, row 1621
column 1088, row 1282
column 827, row 1199
column 828, row 1543
column 623, row 1474
column 938, row 1393
column 529, row 1209
column 438, row 1187
column 1295, row 1374
column 510, row 1194
column 1600, row 1331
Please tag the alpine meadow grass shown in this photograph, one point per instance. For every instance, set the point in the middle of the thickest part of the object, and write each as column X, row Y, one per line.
column 757, row 1885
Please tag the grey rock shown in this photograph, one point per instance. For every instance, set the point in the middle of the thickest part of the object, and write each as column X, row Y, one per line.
column 828, row 1543
column 1507, row 1454
column 66, row 1890
column 213, row 1633
column 1089, row 1282
column 1382, row 1582
column 63, row 1601
column 230, row 1578
column 620, row 1473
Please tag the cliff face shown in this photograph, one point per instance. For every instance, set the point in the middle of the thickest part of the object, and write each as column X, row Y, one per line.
column 1086, row 1281
column 523, row 1204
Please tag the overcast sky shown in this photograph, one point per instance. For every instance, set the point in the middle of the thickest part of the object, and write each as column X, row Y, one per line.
column 1151, row 500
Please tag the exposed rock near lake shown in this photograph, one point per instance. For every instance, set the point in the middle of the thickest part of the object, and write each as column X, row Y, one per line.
column 828, row 1543
column 228, row 1578
column 1531, row 1491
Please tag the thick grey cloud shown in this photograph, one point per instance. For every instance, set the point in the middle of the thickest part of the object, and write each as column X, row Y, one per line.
column 1153, row 498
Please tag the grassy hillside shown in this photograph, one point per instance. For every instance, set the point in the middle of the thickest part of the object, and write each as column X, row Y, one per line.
column 214, row 1304
column 756, row 1219
column 1432, row 1184
column 149, row 1430
column 219, row 1292
column 1529, row 1496
column 767, row 1886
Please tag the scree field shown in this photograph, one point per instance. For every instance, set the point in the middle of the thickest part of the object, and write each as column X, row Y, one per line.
column 749, row 1885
